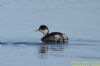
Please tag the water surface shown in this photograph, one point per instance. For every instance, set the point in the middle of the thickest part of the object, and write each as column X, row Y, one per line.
column 40, row 54
column 20, row 45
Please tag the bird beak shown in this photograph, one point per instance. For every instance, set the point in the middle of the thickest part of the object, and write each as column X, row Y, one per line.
column 37, row 30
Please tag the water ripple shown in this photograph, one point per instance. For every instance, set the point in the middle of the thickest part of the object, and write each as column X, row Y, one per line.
column 85, row 40
column 89, row 57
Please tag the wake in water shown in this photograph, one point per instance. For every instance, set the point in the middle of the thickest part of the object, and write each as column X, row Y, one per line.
column 71, row 42
column 84, row 40
column 76, row 48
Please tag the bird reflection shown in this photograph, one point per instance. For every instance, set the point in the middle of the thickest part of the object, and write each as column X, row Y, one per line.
column 43, row 49
column 46, row 49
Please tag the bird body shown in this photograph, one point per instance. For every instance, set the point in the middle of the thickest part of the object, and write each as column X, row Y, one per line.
column 54, row 37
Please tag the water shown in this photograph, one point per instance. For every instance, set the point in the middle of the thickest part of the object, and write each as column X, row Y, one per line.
column 20, row 45
column 39, row 54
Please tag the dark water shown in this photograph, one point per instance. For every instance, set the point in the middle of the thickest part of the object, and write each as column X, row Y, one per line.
column 40, row 54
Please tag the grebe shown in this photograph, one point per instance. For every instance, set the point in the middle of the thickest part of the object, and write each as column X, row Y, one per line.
column 54, row 37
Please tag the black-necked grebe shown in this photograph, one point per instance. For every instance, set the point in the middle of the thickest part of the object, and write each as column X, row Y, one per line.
column 54, row 37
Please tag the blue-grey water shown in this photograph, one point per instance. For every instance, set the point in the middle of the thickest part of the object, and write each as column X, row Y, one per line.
column 39, row 54
column 20, row 45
